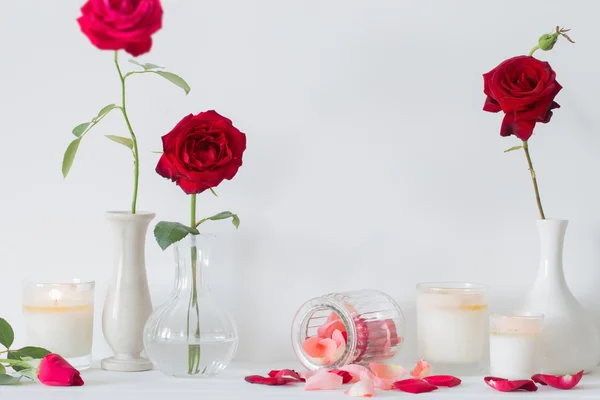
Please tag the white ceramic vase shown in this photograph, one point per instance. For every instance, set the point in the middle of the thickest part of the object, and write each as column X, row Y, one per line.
column 127, row 305
column 570, row 338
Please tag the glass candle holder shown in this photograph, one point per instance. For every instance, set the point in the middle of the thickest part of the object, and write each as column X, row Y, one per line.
column 60, row 317
column 452, row 327
column 356, row 327
column 515, row 345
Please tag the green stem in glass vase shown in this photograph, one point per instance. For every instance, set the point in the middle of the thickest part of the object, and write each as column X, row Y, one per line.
column 534, row 179
column 136, row 163
column 194, row 349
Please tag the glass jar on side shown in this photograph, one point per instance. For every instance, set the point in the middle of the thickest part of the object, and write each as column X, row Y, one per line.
column 356, row 327
column 452, row 327
column 515, row 345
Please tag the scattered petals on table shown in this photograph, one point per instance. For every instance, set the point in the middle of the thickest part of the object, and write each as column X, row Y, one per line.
column 422, row 369
column 324, row 380
column 384, row 375
column 276, row 378
column 414, row 386
column 505, row 385
column 363, row 388
column 355, row 370
column 443, row 380
column 346, row 376
column 280, row 373
column 558, row 381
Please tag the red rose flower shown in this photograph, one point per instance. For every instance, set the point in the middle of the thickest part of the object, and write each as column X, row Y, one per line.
column 524, row 88
column 121, row 24
column 201, row 151
column 56, row 371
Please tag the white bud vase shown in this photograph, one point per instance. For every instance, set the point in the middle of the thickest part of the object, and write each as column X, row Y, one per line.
column 570, row 339
column 127, row 305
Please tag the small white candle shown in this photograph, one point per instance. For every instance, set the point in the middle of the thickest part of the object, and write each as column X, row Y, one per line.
column 452, row 326
column 515, row 345
column 59, row 318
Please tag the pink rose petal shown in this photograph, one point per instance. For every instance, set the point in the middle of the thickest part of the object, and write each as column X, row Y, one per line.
column 504, row 385
column 387, row 371
column 346, row 376
column 333, row 323
column 356, row 371
column 422, row 369
column 364, row 388
column 564, row 382
column 443, row 380
column 317, row 348
column 324, row 380
column 414, row 386
column 307, row 374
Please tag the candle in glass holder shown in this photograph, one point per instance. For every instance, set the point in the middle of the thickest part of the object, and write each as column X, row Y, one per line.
column 59, row 317
column 515, row 345
column 452, row 322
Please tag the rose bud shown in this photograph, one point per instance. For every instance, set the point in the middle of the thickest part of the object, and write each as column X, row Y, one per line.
column 547, row 41
column 56, row 371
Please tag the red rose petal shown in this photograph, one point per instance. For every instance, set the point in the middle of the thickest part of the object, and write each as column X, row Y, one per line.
column 280, row 373
column 261, row 380
column 443, row 380
column 504, row 385
column 414, row 386
column 346, row 376
column 563, row 382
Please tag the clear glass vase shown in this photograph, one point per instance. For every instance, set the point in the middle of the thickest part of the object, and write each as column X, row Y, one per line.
column 189, row 336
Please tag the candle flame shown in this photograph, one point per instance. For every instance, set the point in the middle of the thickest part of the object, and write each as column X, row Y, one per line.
column 55, row 295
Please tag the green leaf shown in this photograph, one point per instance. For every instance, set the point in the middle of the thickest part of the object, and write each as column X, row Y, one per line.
column 70, row 156
column 30, row 373
column 14, row 355
column 9, row 380
column 157, row 152
column 513, row 148
column 106, row 110
column 31, row 352
column 2, row 369
column 235, row 220
column 136, row 63
column 148, row 66
column 213, row 192
column 121, row 140
column 167, row 233
column 177, row 80
column 7, row 335
column 79, row 129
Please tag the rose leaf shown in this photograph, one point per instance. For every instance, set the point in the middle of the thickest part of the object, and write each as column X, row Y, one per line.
column 177, row 80
column 9, row 380
column 79, row 129
column 127, row 142
column 513, row 148
column 167, row 233
column 69, row 157
column 7, row 335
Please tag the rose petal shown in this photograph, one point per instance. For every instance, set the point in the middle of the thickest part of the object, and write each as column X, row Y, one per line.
column 307, row 374
column 338, row 338
column 504, row 385
column 355, row 370
column 414, row 386
column 387, row 371
column 422, row 369
column 558, row 381
column 326, row 331
column 315, row 347
column 346, row 376
column 261, row 380
column 443, row 380
column 324, row 381
column 286, row 373
column 364, row 388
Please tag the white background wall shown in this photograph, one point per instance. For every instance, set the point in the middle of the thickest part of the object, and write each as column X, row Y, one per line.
column 369, row 165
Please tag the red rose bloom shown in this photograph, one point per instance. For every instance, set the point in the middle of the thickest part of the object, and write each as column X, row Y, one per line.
column 56, row 371
column 201, row 151
column 524, row 88
column 121, row 24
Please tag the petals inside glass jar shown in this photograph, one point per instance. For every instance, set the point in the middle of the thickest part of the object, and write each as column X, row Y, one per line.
column 347, row 328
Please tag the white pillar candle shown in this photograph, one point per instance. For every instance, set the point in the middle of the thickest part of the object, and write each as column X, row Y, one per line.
column 59, row 317
column 452, row 323
column 515, row 345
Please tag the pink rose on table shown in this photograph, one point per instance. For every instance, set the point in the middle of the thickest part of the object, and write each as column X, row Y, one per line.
column 56, row 371
column 121, row 24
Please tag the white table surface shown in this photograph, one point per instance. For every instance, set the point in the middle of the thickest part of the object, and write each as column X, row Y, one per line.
column 230, row 384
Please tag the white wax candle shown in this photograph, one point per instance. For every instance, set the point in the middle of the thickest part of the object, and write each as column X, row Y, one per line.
column 515, row 345
column 59, row 319
column 452, row 327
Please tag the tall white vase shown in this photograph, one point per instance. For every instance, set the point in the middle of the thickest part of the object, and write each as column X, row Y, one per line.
column 127, row 305
column 571, row 341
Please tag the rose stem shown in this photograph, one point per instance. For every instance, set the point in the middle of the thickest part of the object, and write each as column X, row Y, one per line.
column 194, row 349
column 136, row 163
column 534, row 179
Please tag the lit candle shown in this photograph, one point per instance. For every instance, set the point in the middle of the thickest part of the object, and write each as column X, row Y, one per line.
column 515, row 345
column 59, row 317
column 452, row 321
